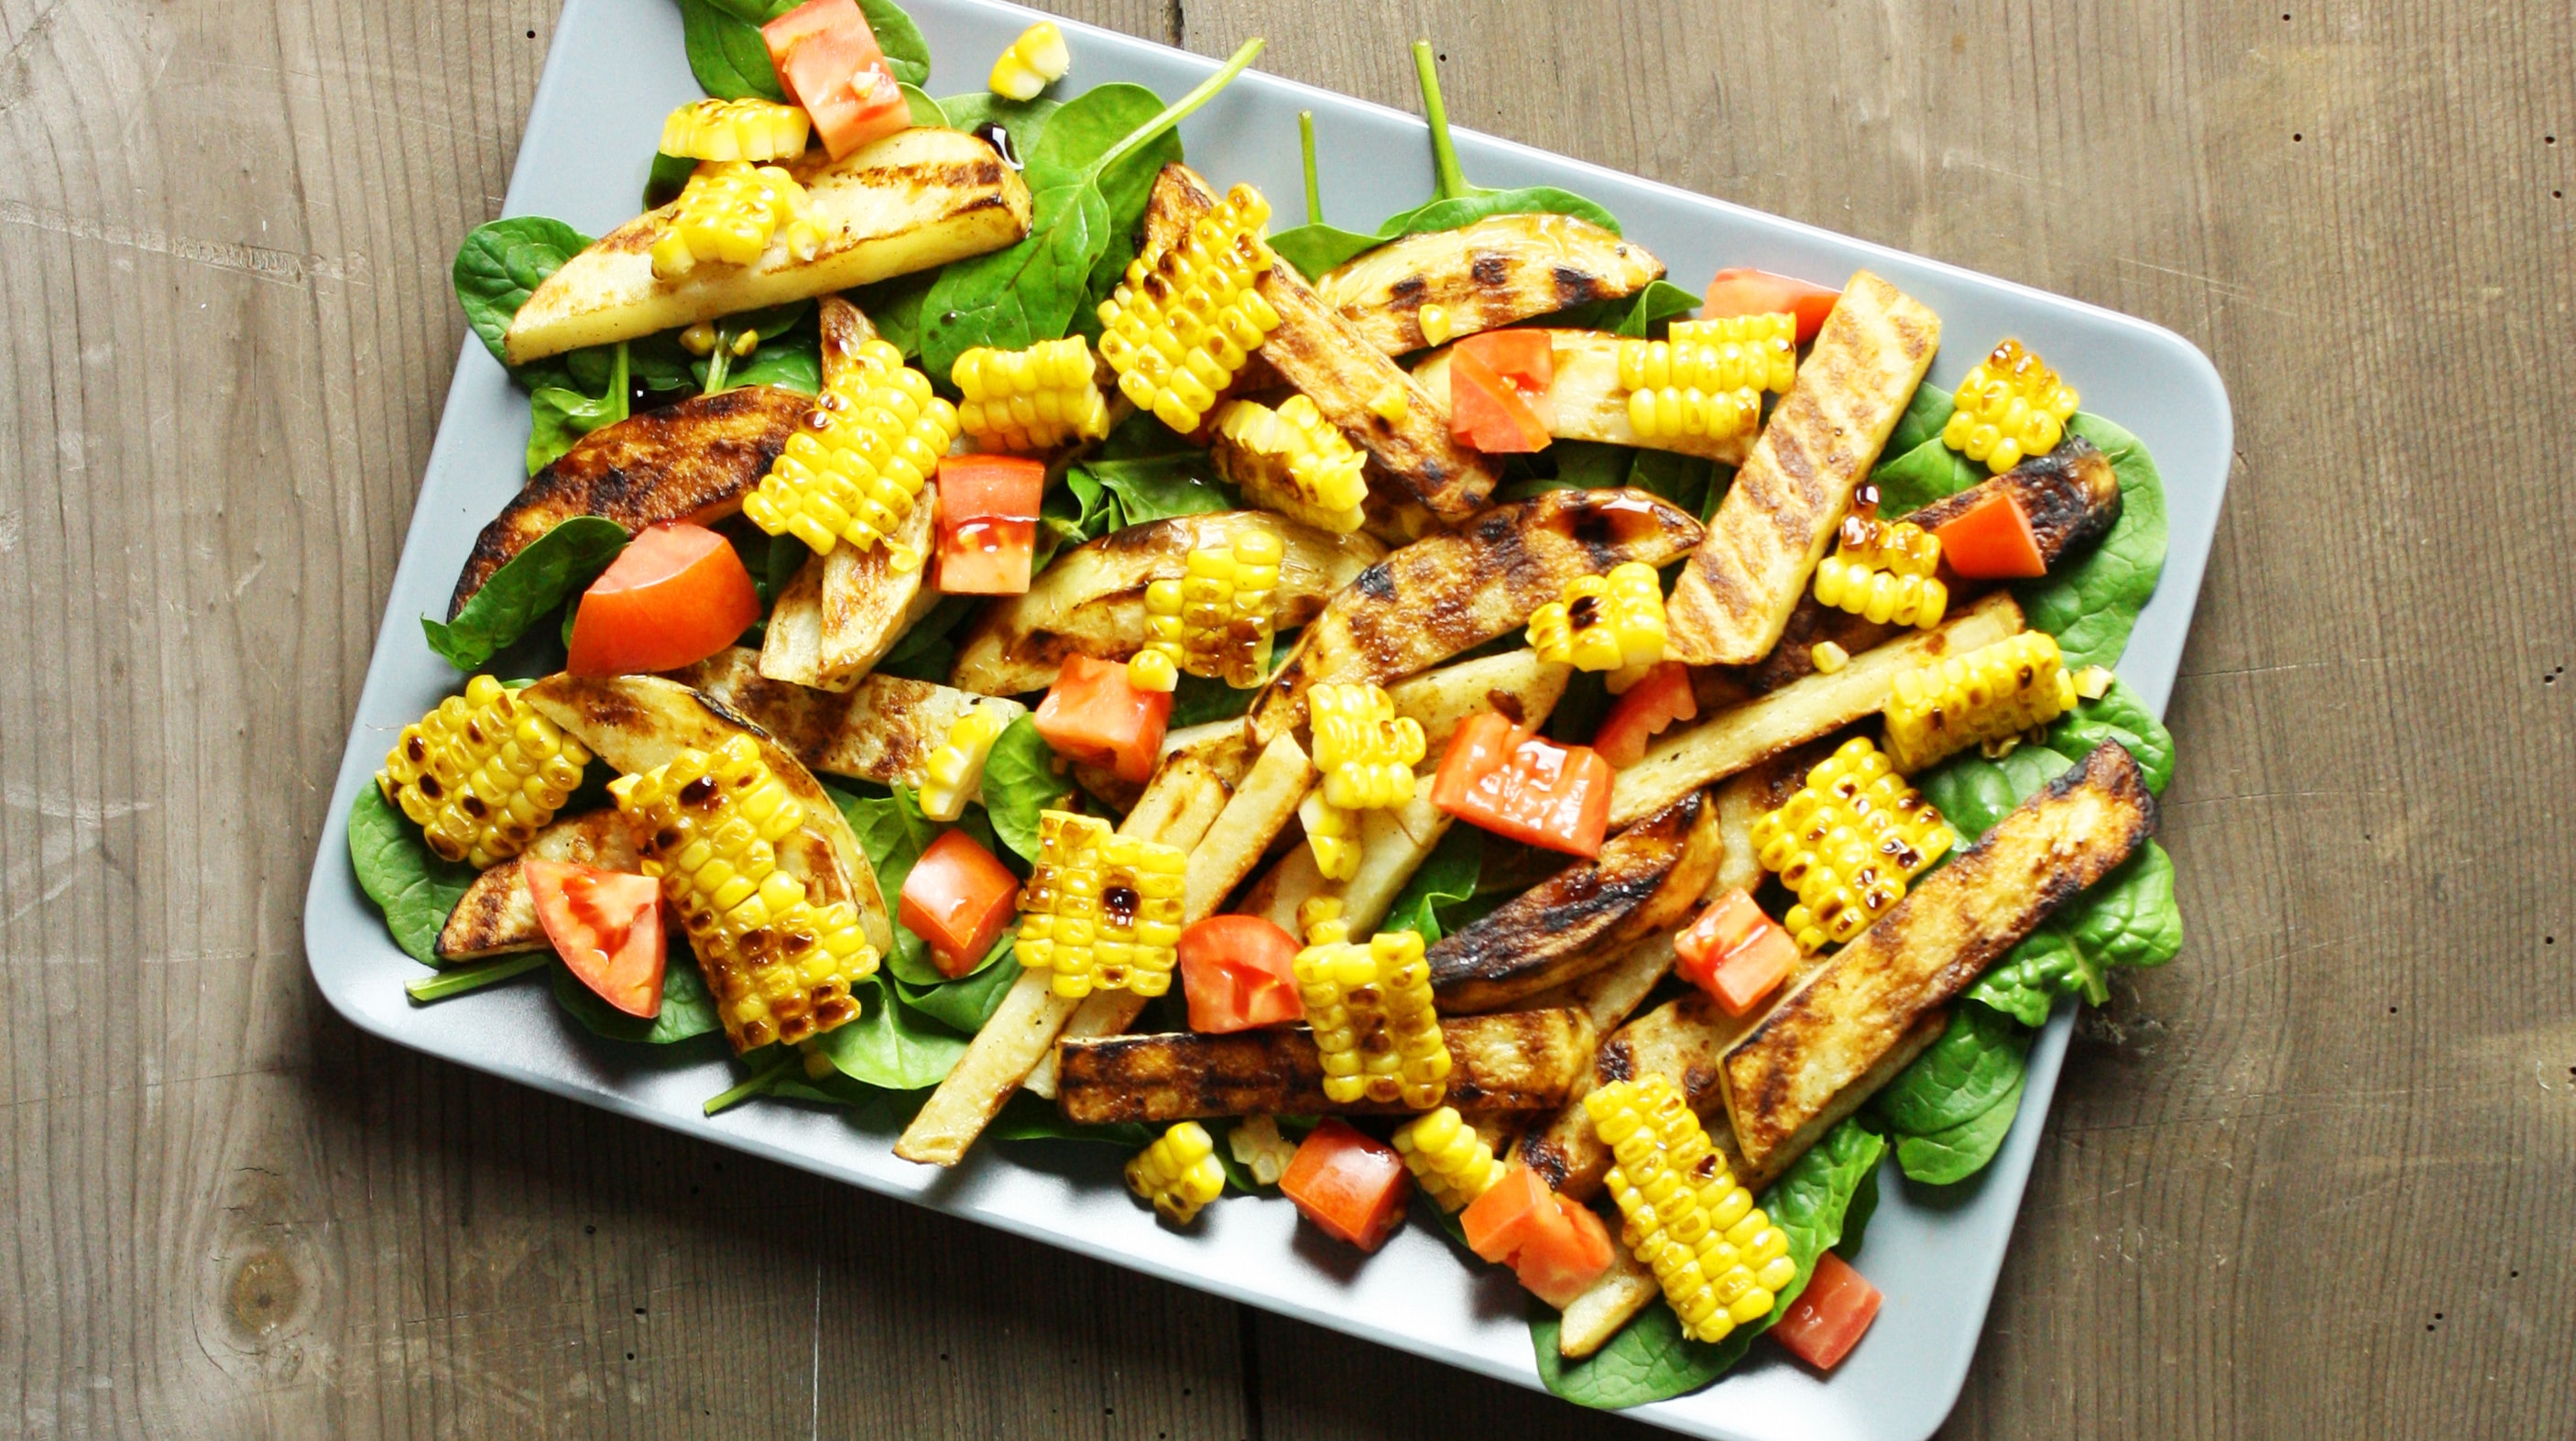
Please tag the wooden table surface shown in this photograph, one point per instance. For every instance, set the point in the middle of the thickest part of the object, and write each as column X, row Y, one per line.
column 2314, row 1179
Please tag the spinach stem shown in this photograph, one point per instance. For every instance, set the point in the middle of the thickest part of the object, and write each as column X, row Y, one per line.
column 758, row 1082
column 719, row 362
column 1306, row 150
column 1444, row 155
column 619, row 388
column 1179, row 110
column 468, row 978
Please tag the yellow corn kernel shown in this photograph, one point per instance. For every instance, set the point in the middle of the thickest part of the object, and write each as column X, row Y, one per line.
column 1935, row 711
column 2011, row 406
column 1391, row 404
column 858, row 459
column 1259, row 1148
column 1827, row 657
column 729, row 212
column 1435, row 324
column 1215, row 620
column 1365, row 753
column 699, row 339
column 1033, row 399
column 1719, row 1259
column 1736, row 352
column 1036, row 60
column 951, row 775
column 1607, row 622
column 1101, row 911
column 780, row 966
column 2093, row 682
column 480, row 775
column 1369, row 1005
column 1178, row 1173
column 1682, row 388
column 744, row 129
column 1187, row 315
column 1293, row 461
column 1847, row 843
column 1884, row 571
column 1319, row 920
column 1444, row 1153
column 1332, row 835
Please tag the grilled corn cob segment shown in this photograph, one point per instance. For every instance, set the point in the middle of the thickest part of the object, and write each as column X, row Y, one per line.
column 953, row 771
column 1333, row 834
column 729, row 212
column 1186, row 317
column 858, row 460
column 1033, row 62
column 1708, row 379
column 1736, row 351
column 1369, row 1004
column 1884, row 571
column 1453, row 1164
column 1847, row 843
column 1363, row 750
column 1033, row 399
column 1215, row 620
column 1718, row 1257
column 1294, row 461
column 2012, row 405
column 1990, row 693
column 480, row 775
column 1259, row 1148
column 1178, row 1173
column 780, row 966
column 1610, row 622
column 1101, row 911
column 746, row 129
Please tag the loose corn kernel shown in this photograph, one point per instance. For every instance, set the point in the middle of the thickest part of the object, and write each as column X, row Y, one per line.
column 1883, row 571
column 1319, row 920
column 954, row 770
column 1033, row 399
column 780, row 966
column 1178, row 1173
column 1187, row 316
column 1604, row 622
column 1828, row 657
column 858, row 459
column 1101, row 911
column 1214, row 621
column 1259, row 1148
column 1391, row 404
column 1435, row 324
column 480, row 775
column 1995, row 691
column 1332, row 835
column 1708, row 379
column 1036, row 60
column 1736, row 352
column 744, row 343
column 699, row 339
column 728, row 212
column 1293, row 461
column 1370, row 1007
column 1365, row 753
column 1719, row 1259
column 1444, row 1153
column 1847, row 843
column 2011, row 406
column 2094, row 682
column 746, row 129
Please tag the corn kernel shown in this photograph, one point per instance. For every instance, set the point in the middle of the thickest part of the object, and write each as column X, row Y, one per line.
column 746, row 129
column 1028, row 400
column 858, row 460
column 1293, row 461
column 1187, row 316
column 1719, row 1259
column 1101, row 911
column 1319, row 920
column 2093, row 682
column 1453, row 1163
column 1034, row 61
column 954, row 771
column 1259, row 1148
column 1369, row 1006
column 480, row 775
column 1993, row 692
column 1435, row 324
column 1828, row 657
column 729, row 212
column 2011, row 406
column 1215, row 620
column 1365, row 753
column 1708, row 378
column 1736, row 351
column 1332, row 835
column 1882, row 571
column 1178, row 1173
column 1847, row 843
column 1605, row 623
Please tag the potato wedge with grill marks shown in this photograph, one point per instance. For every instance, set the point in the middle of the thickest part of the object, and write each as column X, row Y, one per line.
column 1585, row 400
column 842, row 612
column 882, row 729
column 1501, row 269
column 496, row 915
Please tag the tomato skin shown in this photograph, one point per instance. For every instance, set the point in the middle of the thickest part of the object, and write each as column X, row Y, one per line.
column 1564, row 1254
column 1992, row 540
column 1528, row 789
column 1499, row 1221
column 1488, row 412
column 958, row 898
column 1237, row 973
column 1760, row 292
column 607, row 926
column 1526, row 358
column 1735, row 953
column 1482, row 742
column 1091, row 714
column 674, row 596
column 1830, row 1316
column 1650, row 706
column 988, row 522
column 1351, row 1187
column 828, row 61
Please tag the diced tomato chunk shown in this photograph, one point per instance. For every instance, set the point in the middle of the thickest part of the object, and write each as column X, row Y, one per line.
column 1498, row 1221
column 1830, row 1316
column 1644, row 712
column 1992, row 540
column 1237, row 972
column 674, row 596
column 1523, row 787
column 1526, row 358
column 988, row 522
column 828, row 61
column 607, row 926
column 1759, row 292
column 1564, row 1254
column 1348, row 1185
column 1489, row 412
column 958, row 898
column 1092, row 714
column 1735, row 953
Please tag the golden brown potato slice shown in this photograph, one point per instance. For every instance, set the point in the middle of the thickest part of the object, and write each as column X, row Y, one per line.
column 1501, row 269
column 496, row 915
column 1585, row 400
column 882, row 729
column 842, row 612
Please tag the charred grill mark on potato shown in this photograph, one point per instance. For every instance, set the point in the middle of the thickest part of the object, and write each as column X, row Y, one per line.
column 884, row 729
column 1499, row 270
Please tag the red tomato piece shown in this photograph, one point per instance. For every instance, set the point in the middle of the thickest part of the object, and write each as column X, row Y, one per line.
column 1484, row 741
column 1735, row 953
column 828, row 61
column 607, row 926
column 1759, row 292
column 1649, row 706
column 674, row 596
column 1351, row 1187
column 1499, row 1221
column 1830, row 1316
column 1992, row 540
column 1488, row 412
column 1093, row 715
column 1237, row 973
column 1526, row 358
column 1566, row 1251
column 1530, row 790
column 958, row 898
column 988, row 522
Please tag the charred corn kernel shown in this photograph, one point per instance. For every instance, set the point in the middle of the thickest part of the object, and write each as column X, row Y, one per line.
column 1036, row 60
column 1827, row 657
column 1319, row 920
column 699, row 339
column 1718, row 1257
column 2011, row 406
column 736, row 130
column 1294, row 461
column 1883, row 571
column 1847, row 843
column 1178, row 1173
column 2093, row 682
column 1101, row 911
column 1370, row 1008
column 481, row 775
column 954, row 770
column 858, row 459
column 1215, row 620
column 779, row 965
column 729, row 212
column 1365, row 753
column 1332, row 835
column 1390, row 404
column 1186, row 317
column 1435, row 324
column 1938, row 710
column 1033, row 399
column 1711, row 388
column 1259, row 1148
column 1603, row 622
column 1444, row 1153
column 1736, row 352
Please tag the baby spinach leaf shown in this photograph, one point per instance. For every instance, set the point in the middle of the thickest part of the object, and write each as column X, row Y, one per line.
column 1460, row 211
column 969, row 1001
column 1973, row 793
column 1199, row 700
column 413, row 887
column 891, row 1044
column 894, row 306
column 1928, row 472
column 502, row 261
column 1020, row 780
column 668, row 176
column 907, row 54
column 1947, row 1157
column 1316, row 248
column 1115, row 494
column 725, row 49
column 893, row 832
column 924, row 652
column 557, row 564
column 926, row 113
column 784, row 364
column 2092, row 605
column 2025, row 985
column 2118, row 716
column 1976, row 1063
column 687, row 1010
column 558, row 417
column 1447, row 878
column 2129, row 919
column 1024, row 121
column 1924, row 416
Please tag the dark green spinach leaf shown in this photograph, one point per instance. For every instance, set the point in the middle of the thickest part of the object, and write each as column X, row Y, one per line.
column 907, row 53
column 891, row 1044
column 557, row 417
column 1947, row 1157
column 414, row 888
column 502, row 261
column 2130, row 919
column 1446, row 878
column 893, row 832
column 523, row 591
column 1020, row 780
column 687, row 1010
column 1029, row 1118
column 725, row 49
column 668, row 176
column 1977, row 1062
column 2118, row 716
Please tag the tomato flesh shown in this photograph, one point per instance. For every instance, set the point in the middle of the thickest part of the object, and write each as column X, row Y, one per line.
column 1648, row 708
column 1523, row 787
column 1760, row 292
column 828, row 61
column 1830, row 1316
column 1237, row 972
column 607, row 926
column 1489, row 412
column 988, row 522
column 958, row 898
column 1351, row 1187
column 1992, row 540
column 1093, row 715
column 1565, row 1253
column 1735, row 953
column 1526, row 358
column 674, row 596
column 1498, row 1221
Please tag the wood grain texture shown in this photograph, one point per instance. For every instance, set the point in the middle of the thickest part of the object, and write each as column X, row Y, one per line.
column 2318, row 1178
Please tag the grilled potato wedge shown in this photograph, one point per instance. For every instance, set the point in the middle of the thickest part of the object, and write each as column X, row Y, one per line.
column 1913, row 960
column 1447, row 593
column 496, row 915
column 882, row 729
column 1515, row 1061
column 1499, row 270
column 1586, row 401
column 1609, row 994
column 1734, row 599
column 692, row 461
column 1207, row 742
column 1091, row 600
column 1645, row 879
column 911, row 201
column 842, row 612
